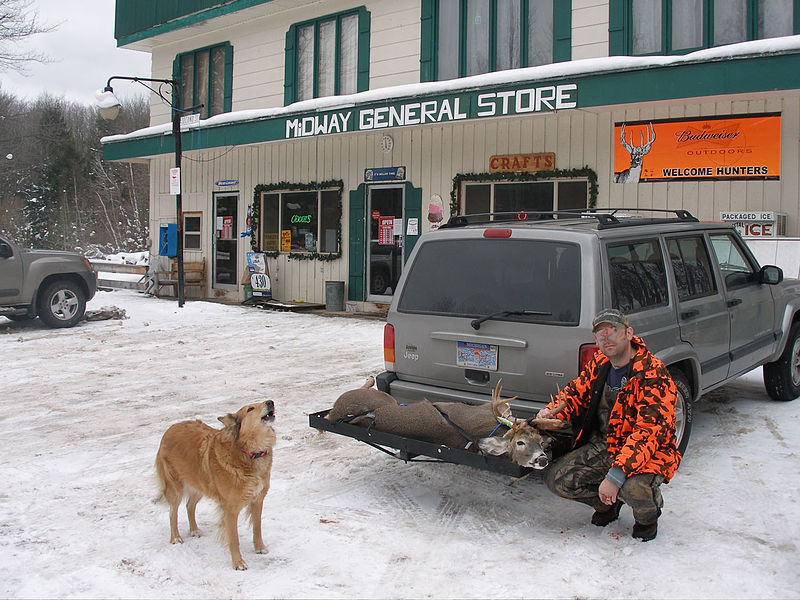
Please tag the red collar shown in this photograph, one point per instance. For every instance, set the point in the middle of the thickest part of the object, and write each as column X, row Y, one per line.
column 255, row 455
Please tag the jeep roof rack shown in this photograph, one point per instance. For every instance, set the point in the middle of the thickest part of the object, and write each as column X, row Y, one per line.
column 609, row 217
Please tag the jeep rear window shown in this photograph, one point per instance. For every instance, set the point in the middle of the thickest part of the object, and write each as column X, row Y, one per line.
column 477, row 277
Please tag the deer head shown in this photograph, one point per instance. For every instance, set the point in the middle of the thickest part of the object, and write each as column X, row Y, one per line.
column 523, row 443
column 637, row 152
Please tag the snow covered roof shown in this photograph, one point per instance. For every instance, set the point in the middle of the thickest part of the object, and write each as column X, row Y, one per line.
column 585, row 67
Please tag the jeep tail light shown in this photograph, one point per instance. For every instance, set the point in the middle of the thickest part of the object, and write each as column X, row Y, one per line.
column 585, row 355
column 388, row 346
column 497, row 233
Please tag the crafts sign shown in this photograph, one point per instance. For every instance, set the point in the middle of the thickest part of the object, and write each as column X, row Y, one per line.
column 741, row 147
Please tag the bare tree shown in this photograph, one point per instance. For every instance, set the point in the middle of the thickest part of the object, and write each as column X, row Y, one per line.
column 18, row 22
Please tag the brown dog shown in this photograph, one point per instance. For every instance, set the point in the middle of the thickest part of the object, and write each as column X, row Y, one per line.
column 231, row 465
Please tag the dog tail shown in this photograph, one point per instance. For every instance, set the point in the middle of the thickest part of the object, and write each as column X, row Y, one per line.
column 368, row 383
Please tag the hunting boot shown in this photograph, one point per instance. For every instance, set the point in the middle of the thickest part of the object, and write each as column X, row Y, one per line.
column 603, row 518
column 646, row 532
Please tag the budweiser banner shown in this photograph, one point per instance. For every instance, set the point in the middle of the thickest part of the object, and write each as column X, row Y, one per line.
column 746, row 147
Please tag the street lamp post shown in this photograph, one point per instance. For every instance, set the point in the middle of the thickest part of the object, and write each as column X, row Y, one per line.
column 109, row 109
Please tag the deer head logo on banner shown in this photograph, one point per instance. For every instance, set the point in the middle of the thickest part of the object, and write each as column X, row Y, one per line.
column 632, row 173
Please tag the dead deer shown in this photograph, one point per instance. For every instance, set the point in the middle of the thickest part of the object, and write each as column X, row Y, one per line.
column 524, row 442
column 452, row 424
column 634, row 172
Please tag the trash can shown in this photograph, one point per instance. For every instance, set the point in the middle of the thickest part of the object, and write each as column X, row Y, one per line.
column 334, row 296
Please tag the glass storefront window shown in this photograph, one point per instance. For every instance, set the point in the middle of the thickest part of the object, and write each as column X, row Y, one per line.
column 525, row 195
column 299, row 218
column 294, row 221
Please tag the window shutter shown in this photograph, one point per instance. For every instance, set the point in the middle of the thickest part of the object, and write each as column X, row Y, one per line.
column 616, row 28
column 176, row 76
column 363, row 49
column 228, row 101
column 427, row 41
column 562, row 30
column 290, row 67
column 413, row 210
column 355, row 287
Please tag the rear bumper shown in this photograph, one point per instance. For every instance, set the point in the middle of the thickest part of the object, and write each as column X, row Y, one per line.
column 409, row 391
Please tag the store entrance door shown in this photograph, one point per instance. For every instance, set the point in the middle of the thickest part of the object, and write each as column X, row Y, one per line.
column 385, row 255
column 225, row 242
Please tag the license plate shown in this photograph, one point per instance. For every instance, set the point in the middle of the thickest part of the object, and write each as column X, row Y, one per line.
column 476, row 356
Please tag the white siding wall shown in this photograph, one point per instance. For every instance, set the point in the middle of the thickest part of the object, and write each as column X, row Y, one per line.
column 258, row 50
column 589, row 29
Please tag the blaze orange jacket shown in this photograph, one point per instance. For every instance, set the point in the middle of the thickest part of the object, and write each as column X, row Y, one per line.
column 641, row 425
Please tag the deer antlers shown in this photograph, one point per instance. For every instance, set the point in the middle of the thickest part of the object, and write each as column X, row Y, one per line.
column 643, row 147
column 502, row 411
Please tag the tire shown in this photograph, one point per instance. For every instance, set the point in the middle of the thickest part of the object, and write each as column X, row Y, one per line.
column 782, row 377
column 683, row 410
column 62, row 304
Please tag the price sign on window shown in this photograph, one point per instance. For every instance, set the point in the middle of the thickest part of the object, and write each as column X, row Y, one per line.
column 386, row 231
column 286, row 240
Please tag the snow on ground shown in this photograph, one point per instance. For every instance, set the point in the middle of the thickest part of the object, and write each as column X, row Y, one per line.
column 83, row 411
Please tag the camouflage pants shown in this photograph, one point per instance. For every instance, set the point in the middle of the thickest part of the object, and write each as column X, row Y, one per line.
column 578, row 474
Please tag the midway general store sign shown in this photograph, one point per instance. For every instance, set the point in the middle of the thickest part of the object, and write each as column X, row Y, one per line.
column 470, row 105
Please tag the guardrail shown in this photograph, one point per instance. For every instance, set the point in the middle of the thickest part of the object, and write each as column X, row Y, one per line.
column 129, row 277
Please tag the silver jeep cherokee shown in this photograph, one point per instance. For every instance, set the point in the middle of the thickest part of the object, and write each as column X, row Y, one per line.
column 512, row 296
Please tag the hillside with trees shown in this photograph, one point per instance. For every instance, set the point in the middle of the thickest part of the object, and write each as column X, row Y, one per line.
column 55, row 190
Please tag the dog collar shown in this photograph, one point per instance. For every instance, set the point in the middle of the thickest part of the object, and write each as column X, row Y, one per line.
column 255, row 455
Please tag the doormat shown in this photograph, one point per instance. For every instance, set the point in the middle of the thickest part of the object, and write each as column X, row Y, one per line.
column 282, row 306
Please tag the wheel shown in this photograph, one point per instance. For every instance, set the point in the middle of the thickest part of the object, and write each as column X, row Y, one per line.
column 683, row 410
column 782, row 377
column 62, row 304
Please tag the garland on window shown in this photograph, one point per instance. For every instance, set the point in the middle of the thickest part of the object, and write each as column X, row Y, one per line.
column 335, row 184
column 525, row 176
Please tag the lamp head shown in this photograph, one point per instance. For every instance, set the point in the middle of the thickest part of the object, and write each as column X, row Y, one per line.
column 107, row 104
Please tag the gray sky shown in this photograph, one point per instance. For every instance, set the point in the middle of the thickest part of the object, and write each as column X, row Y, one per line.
column 84, row 54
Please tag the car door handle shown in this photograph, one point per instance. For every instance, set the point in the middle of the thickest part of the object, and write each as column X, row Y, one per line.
column 688, row 314
column 734, row 302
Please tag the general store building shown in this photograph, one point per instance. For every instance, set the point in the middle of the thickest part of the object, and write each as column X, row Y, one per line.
column 334, row 133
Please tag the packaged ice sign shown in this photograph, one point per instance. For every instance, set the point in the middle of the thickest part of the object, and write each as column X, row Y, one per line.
column 760, row 224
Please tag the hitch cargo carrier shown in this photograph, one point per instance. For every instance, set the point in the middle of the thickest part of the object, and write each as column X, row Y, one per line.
column 408, row 449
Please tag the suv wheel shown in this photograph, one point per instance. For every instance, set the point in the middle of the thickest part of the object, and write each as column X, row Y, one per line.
column 62, row 304
column 782, row 377
column 683, row 410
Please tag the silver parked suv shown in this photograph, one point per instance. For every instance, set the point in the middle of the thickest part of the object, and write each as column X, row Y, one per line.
column 512, row 296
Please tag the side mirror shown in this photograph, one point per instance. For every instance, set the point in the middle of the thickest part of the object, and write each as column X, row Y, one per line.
column 5, row 250
column 770, row 274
